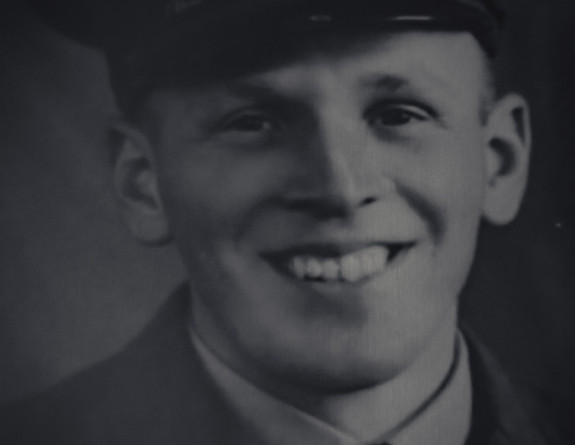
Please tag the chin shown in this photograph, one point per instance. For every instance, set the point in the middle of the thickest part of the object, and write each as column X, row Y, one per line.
column 335, row 375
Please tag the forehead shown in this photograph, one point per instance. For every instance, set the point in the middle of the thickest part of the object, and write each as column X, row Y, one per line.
column 444, row 62
column 436, row 64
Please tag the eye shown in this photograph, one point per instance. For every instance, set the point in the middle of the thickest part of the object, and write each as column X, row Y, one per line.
column 395, row 115
column 251, row 127
column 251, row 123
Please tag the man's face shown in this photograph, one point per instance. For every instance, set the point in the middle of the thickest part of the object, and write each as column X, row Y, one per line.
column 327, row 210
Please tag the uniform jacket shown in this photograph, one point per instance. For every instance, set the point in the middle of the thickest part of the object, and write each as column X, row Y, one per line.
column 156, row 392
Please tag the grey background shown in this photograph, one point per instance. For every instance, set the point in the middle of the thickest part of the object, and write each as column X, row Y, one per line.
column 74, row 288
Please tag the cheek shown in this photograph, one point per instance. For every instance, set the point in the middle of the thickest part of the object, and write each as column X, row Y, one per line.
column 211, row 195
column 464, row 186
column 446, row 188
column 451, row 177
column 458, row 188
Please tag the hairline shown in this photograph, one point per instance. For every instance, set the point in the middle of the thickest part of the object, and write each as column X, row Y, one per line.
column 139, row 117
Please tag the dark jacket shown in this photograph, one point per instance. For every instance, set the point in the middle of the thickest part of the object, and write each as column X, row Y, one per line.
column 157, row 392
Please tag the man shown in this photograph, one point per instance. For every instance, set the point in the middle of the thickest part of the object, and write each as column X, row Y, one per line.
column 323, row 168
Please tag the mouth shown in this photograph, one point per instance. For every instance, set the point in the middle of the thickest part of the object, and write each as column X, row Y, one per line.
column 337, row 264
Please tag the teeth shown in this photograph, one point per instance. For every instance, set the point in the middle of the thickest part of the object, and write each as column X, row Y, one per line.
column 331, row 270
column 314, row 268
column 299, row 267
column 374, row 259
column 349, row 268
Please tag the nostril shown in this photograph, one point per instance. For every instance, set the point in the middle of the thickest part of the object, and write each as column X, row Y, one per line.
column 318, row 207
column 369, row 200
column 326, row 206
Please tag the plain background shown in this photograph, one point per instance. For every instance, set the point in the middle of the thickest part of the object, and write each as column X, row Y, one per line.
column 75, row 288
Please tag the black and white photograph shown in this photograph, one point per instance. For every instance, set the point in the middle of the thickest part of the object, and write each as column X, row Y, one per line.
column 287, row 222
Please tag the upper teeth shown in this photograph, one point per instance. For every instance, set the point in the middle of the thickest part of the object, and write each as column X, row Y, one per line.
column 352, row 267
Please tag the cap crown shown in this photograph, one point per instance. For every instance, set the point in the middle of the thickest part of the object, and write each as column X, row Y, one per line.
column 152, row 43
column 101, row 22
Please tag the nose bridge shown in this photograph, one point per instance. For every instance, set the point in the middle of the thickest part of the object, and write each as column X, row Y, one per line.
column 336, row 145
column 339, row 154
column 348, row 173
column 340, row 164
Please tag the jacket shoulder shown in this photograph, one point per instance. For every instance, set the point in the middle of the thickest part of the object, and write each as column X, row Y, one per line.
column 507, row 411
column 153, row 379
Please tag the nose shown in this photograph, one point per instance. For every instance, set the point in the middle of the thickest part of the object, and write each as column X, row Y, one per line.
column 341, row 170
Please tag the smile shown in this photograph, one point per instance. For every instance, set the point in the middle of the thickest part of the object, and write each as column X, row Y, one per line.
column 317, row 264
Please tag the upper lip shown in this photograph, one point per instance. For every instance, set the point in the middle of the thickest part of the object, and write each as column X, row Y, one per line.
column 330, row 250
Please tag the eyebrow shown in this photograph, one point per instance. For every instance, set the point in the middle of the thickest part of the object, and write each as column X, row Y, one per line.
column 376, row 81
column 384, row 82
column 251, row 88
column 394, row 82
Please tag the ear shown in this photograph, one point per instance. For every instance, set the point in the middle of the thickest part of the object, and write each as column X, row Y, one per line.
column 136, row 187
column 508, row 143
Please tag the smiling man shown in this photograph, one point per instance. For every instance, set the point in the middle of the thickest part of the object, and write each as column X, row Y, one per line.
column 323, row 168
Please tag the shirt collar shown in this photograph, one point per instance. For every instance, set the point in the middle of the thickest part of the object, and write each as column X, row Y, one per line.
column 446, row 418
column 443, row 420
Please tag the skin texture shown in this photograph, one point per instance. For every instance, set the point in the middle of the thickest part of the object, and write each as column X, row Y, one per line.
column 379, row 143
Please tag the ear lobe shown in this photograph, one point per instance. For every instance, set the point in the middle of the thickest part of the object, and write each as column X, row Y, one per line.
column 136, row 187
column 508, row 147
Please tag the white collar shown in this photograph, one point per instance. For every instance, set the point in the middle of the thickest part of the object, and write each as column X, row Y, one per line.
column 443, row 420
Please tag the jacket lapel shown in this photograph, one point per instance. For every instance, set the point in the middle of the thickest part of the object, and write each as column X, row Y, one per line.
column 184, row 406
column 502, row 415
